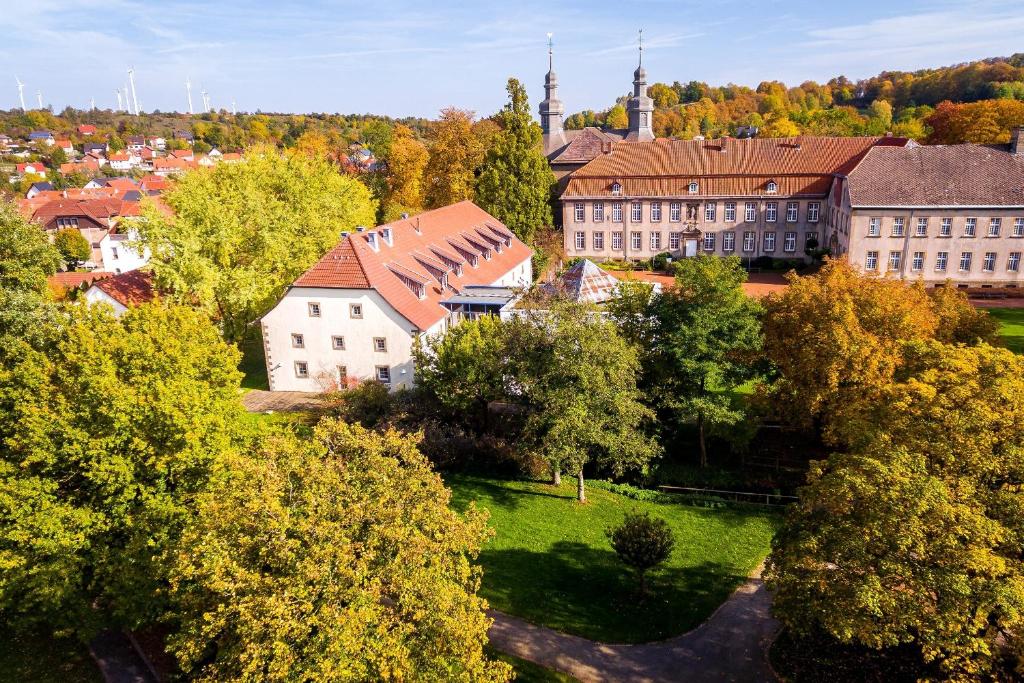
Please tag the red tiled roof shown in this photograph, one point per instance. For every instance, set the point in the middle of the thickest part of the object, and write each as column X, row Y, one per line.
column 87, row 129
column 71, row 280
column 585, row 145
column 98, row 210
column 353, row 263
column 128, row 289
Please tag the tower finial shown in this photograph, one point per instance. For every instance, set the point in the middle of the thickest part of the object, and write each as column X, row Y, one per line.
column 550, row 50
column 641, row 47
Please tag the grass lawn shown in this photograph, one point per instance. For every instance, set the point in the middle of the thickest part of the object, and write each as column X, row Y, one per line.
column 1011, row 326
column 254, row 364
column 550, row 561
column 528, row 672
column 44, row 659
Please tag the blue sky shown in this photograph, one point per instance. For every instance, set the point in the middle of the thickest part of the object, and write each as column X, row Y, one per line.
column 412, row 58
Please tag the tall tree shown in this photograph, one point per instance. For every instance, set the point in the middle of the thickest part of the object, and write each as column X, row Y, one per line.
column 73, row 247
column 334, row 558
column 706, row 337
column 455, row 155
column 238, row 234
column 26, row 259
column 406, row 162
column 515, row 181
column 616, row 118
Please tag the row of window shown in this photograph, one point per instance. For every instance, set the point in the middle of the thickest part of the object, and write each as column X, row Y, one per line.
column 898, row 228
column 381, row 372
column 942, row 260
column 771, row 187
column 380, row 344
column 354, row 310
column 709, row 239
column 675, row 212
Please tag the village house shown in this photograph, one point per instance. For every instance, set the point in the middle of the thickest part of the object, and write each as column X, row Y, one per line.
column 93, row 218
column 120, row 292
column 86, row 129
column 356, row 313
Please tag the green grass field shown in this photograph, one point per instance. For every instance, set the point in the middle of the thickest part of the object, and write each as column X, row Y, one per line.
column 254, row 364
column 550, row 561
column 1011, row 327
column 528, row 672
column 44, row 659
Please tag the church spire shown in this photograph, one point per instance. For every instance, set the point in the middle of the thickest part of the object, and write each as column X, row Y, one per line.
column 641, row 47
column 640, row 107
column 551, row 109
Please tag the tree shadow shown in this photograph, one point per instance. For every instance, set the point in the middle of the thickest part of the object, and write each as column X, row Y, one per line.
column 505, row 494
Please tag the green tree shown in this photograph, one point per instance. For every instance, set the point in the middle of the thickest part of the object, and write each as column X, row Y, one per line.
column 73, row 247
column 26, row 259
column 515, row 180
column 240, row 233
column 455, row 155
column 663, row 95
column 406, row 162
column 332, row 559
column 107, row 437
column 642, row 542
column 707, row 335
column 958, row 321
column 616, row 118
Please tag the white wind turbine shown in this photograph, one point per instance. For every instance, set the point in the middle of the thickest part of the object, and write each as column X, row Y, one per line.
column 131, row 79
column 188, row 92
column 21, row 93
column 120, row 105
column 39, row 98
column 206, row 100
column 127, row 102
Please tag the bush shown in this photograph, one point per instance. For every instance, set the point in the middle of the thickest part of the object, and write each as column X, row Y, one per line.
column 642, row 542
column 763, row 262
column 369, row 403
column 661, row 261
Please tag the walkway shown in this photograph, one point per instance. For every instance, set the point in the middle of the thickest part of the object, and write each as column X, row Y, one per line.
column 118, row 661
column 729, row 646
column 259, row 401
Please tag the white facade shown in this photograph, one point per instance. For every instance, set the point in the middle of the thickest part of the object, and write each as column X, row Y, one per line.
column 94, row 295
column 118, row 257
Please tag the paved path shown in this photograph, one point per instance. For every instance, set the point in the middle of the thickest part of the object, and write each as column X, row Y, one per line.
column 258, row 401
column 729, row 646
column 118, row 661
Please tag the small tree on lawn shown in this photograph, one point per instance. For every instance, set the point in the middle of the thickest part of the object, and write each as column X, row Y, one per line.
column 73, row 248
column 642, row 542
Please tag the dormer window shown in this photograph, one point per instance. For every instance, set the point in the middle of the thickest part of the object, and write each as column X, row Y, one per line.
column 371, row 239
column 693, row 188
column 385, row 234
column 421, row 292
column 616, row 189
column 772, row 187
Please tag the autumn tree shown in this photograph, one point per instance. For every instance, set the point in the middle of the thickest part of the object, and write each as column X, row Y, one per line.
column 455, row 155
column 239, row 234
column 333, row 558
column 405, row 165
column 73, row 247
column 958, row 322
column 26, row 259
column 515, row 180
column 616, row 118
column 108, row 434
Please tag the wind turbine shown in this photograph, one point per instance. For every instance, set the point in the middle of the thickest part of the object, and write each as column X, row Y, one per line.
column 131, row 79
column 21, row 93
column 234, row 112
column 206, row 100
column 39, row 98
column 188, row 92
column 127, row 102
column 92, row 103
column 120, row 106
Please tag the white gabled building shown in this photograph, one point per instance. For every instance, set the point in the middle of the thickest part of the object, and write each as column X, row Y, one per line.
column 356, row 313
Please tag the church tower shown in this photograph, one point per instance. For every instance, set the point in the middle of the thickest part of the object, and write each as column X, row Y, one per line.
column 640, row 107
column 551, row 109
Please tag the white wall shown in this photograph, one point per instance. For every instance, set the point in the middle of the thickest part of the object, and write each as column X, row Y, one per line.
column 126, row 258
column 94, row 295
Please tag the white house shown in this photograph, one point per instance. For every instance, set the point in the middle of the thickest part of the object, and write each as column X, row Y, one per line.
column 121, row 291
column 356, row 313
column 117, row 256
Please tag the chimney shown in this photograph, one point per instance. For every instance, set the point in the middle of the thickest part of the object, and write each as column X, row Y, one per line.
column 417, row 226
column 405, row 216
column 345, row 234
column 360, row 228
column 1017, row 141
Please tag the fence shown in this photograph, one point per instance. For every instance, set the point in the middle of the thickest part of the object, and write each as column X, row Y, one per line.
column 769, row 499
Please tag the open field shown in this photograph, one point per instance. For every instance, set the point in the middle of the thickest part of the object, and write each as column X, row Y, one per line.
column 1011, row 326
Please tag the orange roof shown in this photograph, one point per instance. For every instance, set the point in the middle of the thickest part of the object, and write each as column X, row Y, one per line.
column 394, row 271
column 119, row 156
column 99, row 210
column 153, row 182
column 72, row 280
column 129, row 289
column 182, row 153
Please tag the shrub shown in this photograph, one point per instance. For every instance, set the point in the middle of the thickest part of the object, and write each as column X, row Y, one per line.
column 642, row 542
column 369, row 403
column 661, row 261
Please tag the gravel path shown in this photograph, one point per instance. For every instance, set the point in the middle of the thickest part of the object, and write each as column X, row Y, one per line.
column 730, row 646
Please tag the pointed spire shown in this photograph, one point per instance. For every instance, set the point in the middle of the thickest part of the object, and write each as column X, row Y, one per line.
column 551, row 62
column 641, row 47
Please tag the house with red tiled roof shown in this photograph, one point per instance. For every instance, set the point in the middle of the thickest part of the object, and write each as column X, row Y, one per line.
column 94, row 218
column 87, row 129
column 171, row 166
column 122, row 291
column 356, row 313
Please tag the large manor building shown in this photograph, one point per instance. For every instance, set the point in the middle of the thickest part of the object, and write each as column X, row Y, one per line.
column 888, row 204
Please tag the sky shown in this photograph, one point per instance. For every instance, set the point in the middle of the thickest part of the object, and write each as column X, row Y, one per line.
column 403, row 58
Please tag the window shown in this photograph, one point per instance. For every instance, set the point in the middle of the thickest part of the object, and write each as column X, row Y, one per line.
column 1013, row 262
column 599, row 212
column 338, row 343
column 771, row 211
column 298, row 341
column 922, row 228
column 342, row 375
column 813, row 211
column 709, row 241
column 599, row 241
column 810, row 238
column 792, row 212
column 655, row 241
column 946, row 227
column 581, row 240
column 940, row 261
column 655, row 212
column 994, row 226
column 871, row 260
column 895, row 259
column 772, row 187
column 990, row 262
column 673, row 241
column 384, row 374
column 769, row 241
column 301, row 369
column 970, row 227
column 580, row 212
column 113, row 252
column 314, row 309
column 709, row 212
column 675, row 212
column 636, row 213
column 730, row 212
column 750, row 212
column 729, row 242
column 1018, row 227
column 748, row 240
column 875, row 227
column 355, row 310
column 616, row 189
column 616, row 212
column 789, row 244
column 897, row 226
column 965, row 261
column 917, row 263
column 380, row 344
column 636, row 241
column 67, row 222
column 617, row 241
column 692, row 188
